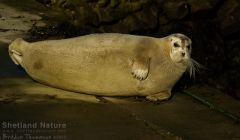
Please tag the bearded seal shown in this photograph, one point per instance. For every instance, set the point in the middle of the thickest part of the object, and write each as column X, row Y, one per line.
column 108, row 64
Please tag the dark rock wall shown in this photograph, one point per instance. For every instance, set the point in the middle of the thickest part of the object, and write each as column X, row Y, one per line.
column 213, row 25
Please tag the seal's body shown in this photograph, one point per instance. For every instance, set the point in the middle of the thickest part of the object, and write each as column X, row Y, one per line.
column 105, row 64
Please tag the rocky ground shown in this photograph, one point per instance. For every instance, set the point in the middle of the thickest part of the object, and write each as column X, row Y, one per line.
column 199, row 112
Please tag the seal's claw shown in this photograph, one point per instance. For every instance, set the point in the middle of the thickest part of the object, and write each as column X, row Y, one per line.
column 151, row 98
column 140, row 74
column 159, row 97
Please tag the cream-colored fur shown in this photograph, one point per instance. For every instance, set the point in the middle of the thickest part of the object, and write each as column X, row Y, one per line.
column 102, row 64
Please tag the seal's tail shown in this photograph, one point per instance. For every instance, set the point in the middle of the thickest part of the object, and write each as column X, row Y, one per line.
column 15, row 50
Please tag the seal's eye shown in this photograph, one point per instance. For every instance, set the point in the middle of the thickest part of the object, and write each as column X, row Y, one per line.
column 188, row 47
column 176, row 45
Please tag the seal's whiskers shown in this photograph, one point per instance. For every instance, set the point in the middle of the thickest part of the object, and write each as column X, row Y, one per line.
column 193, row 67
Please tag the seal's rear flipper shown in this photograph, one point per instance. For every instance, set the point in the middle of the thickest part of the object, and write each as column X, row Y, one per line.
column 16, row 49
column 16, row 57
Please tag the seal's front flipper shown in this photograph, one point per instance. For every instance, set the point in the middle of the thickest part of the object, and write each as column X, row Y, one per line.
column 16, row 57
column 140, row 68
column 162, row 96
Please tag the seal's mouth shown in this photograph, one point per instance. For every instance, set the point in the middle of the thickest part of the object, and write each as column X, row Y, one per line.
column 182, row 60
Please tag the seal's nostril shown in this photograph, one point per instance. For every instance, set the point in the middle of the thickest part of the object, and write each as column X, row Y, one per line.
column 183, row 54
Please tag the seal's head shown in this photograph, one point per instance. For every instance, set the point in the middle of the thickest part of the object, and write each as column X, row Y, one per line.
column 180, row 52
column 180, row 48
